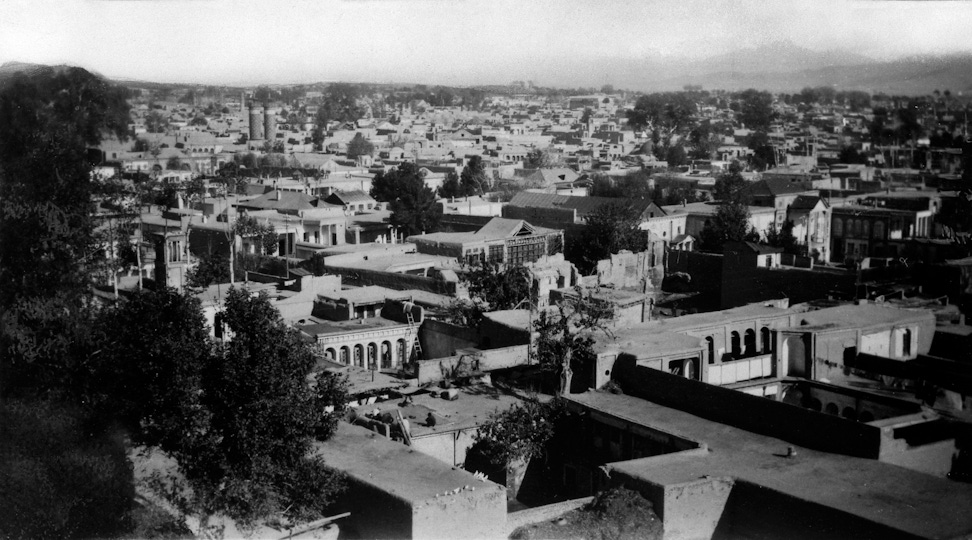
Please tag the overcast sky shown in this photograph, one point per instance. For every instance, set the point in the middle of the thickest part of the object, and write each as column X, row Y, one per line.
column 448, row 41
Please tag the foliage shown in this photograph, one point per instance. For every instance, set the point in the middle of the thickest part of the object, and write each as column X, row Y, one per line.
column 330, row 391
column 451, row 188
column 316, row 264
column 157, row 397
column 667, row 111
column 60, row 480
column 252, row 461
column 491, row 288
column 359, row 146
column 519, row 433
column 763, row 152
column 340, row 104
column 173, row 163
column 783, row 237
column 729, row 224
column 156, row 122
column 47, row 120
column 209, row 271
column 473, row 177
column 250, row 227
column 755, row 109
column 566, row 343
column 609, row 229
column 849, row 154
column 543, row 158
column 413, row 205
column 731, row 186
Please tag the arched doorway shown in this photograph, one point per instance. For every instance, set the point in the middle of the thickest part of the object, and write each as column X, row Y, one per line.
column 402, row 357
column 359, row 355
column 764, row 338
column 710, row 345
column 750, row 342
column 372, row 355
column 344, row 355
column 735, row 345
column 795, row 357
column 330, row 355
column 386, row 355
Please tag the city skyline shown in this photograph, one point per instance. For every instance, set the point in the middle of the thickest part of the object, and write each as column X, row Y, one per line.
column 569, row 43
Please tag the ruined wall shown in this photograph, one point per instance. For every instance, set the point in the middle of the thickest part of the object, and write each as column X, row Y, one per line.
column 361, row 278
column 469, row 361
column 631, row 270
column 441, row 339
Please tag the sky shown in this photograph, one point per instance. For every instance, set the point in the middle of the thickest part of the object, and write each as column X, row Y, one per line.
column 455, row 42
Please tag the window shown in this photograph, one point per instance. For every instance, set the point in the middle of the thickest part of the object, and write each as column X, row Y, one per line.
column 838, row 227
column 906, row 343
column 879, row 230
column 764, row 335
column 736, row 346
column 710, row 344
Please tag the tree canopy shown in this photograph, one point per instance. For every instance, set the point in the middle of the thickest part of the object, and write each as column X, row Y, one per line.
column 609, row 229
column 414, row 206
column 360, row 146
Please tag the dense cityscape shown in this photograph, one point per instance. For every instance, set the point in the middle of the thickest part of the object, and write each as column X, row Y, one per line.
column 512, row 310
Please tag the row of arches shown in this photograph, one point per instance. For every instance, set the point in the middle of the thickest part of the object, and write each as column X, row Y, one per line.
column 743, row 345
column 375, row 355
column 860, row 228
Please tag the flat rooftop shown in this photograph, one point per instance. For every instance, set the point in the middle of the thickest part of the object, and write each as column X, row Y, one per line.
column 395, row 468
column 861, row 316
column 345, row 327
column 881, row 493
column 471, row 409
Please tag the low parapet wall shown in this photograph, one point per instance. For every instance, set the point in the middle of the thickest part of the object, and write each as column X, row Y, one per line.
column 468, row 361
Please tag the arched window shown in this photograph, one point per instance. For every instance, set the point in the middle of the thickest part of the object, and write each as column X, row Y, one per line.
column 867, row 229
column 344, row 355
column 750, row 343
column 359, row 355
column 764, row 338
column 879, row 230
column 838, row 227
column 710, row 344
column 735, row 344
column 386, row 355
column 906, row 343
column 372, row 355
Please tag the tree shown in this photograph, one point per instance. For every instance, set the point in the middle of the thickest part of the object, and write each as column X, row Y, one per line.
column 473, row 177
column 59, row 479
column 156, row 122
column 609, row 229
column 173, row 163
column 451, row 188
column 763, row 152
column 359, row 146
column 339, row 104
column 416, row 209
column 208, row 271
column 756, row 109
column 157, row 398
column 491, row 288
column 729, row 224
column 543, row 158
column 566, row 344
column 265, row 234
column 49, row 250
column 731, row 186
column 520, row 433
column 662, row 112
column 252, row 462
column 783, row 237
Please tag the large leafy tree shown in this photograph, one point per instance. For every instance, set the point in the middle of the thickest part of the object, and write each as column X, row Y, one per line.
column 491, row 288
column 340, row 104
column 148, row 374
column 359, row 146
column 253, row 461
column 47, row 247
column 566, row 336
column 413, row 204
column 473, row 178
column 609, row 229
column 665, row 112
column 755, row 109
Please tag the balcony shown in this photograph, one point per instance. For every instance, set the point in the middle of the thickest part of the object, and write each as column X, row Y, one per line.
column 753, row 367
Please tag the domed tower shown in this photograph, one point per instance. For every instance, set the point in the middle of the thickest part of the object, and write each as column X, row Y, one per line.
column 269, row 123
column 256, row 124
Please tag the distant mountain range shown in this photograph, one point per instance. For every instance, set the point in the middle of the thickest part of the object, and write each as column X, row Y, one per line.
column 777, row 67
column 784, row 67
